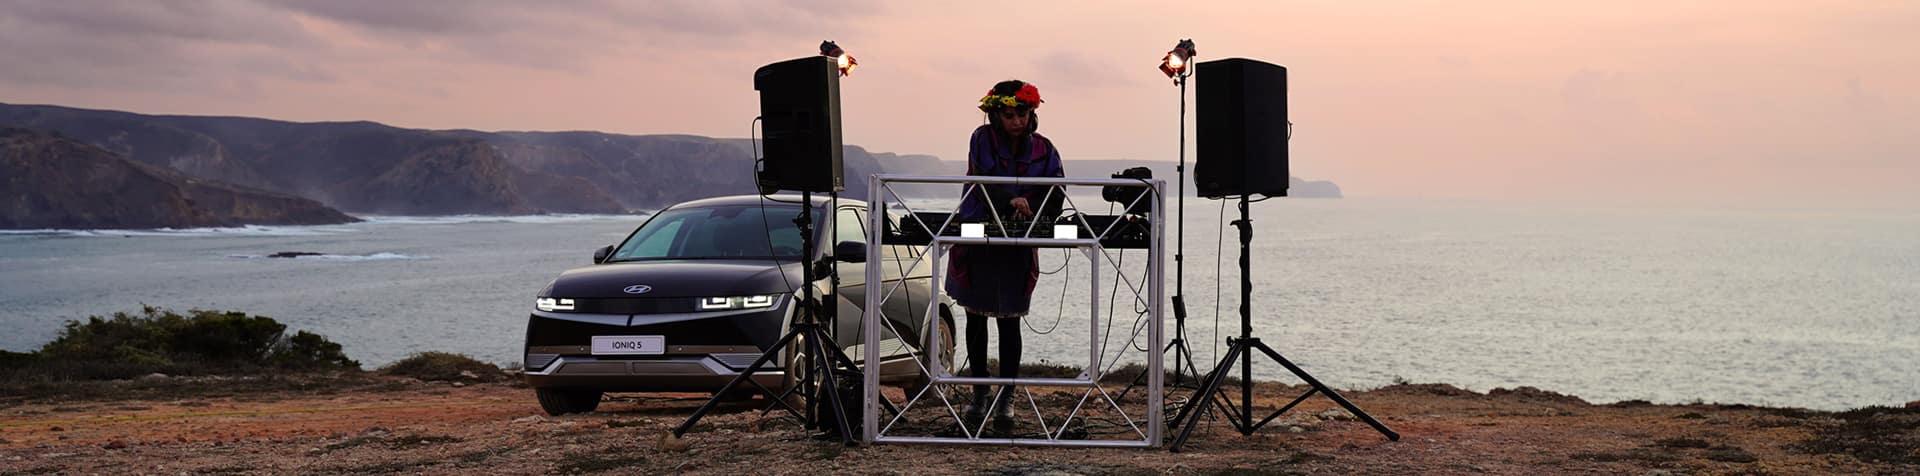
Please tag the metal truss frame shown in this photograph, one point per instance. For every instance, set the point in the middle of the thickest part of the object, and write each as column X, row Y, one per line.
column 875, row 323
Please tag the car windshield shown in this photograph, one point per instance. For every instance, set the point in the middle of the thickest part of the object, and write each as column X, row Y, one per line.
column 724, row 232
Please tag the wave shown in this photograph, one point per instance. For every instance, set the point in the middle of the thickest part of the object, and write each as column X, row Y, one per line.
column 245, row 230
column 321, row 230
column 382, row 256
column 459, row 219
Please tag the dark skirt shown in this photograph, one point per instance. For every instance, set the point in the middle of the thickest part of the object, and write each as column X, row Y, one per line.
column 993, row 280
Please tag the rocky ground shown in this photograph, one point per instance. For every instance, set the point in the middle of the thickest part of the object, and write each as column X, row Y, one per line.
column 368, row 424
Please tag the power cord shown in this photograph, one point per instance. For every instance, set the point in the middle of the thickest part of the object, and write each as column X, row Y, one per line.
column 765, row 227
column 1219, row 241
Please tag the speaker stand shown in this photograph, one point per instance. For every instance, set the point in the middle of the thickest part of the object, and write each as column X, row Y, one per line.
column 824, row 359
column 1183, row 362
column 1242, row 348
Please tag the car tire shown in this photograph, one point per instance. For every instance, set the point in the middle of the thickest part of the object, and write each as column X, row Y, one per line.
column 560, row 402
column 945, row 354
column 795, row 370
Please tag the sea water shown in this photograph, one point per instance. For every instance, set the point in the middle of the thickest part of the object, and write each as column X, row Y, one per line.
column 1817, row 309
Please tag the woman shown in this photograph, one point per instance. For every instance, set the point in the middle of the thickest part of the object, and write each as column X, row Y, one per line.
column 996, row 282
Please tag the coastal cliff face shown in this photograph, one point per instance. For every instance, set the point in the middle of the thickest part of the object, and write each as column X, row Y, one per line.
column 373, row 168
column 460, row 175
column 50, row 181
column 366, row 167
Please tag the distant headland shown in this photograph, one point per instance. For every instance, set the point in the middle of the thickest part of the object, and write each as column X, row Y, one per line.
column 153, row 171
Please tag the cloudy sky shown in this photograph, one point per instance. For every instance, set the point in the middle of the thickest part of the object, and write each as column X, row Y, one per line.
column 1700, row 103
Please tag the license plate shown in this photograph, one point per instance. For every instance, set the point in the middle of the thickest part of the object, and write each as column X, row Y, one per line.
column 629, row 345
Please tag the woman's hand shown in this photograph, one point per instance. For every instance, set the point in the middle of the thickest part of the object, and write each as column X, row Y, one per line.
column 1020, row 207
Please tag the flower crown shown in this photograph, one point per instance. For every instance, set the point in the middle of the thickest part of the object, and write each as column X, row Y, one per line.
column 1028, row 97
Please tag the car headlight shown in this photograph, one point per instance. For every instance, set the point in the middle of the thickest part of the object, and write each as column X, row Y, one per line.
column 737, row 302
column 552, row 304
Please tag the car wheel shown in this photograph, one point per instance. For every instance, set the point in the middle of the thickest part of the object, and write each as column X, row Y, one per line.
column 560, row 402
column 945, row 354
column 796, row 372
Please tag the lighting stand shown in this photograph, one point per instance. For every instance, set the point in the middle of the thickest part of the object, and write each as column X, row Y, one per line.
column 1242, row 348
column 1183, row 363
column 824, row 359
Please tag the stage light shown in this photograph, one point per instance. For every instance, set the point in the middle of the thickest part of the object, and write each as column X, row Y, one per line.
column 846, row 61
column 1174, row 64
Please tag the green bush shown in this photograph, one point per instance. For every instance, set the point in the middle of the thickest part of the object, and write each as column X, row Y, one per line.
column 200, row 342
column 444, row 366
column 310, row 351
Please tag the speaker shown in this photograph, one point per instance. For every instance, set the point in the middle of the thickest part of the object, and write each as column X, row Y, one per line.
column 800, row 114
column 1241, row 132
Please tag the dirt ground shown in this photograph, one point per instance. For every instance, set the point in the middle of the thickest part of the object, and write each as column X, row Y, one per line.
column 394, row 425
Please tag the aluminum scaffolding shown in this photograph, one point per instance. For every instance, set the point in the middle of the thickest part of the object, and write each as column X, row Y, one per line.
column 1088, row 241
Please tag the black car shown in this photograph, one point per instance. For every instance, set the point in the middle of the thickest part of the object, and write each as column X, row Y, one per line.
column 689, row 299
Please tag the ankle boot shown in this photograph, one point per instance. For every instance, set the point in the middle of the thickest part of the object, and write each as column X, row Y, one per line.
column 1003, row 412
column 976, row 409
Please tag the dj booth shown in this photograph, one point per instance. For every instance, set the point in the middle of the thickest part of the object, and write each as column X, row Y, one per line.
column 921, row 417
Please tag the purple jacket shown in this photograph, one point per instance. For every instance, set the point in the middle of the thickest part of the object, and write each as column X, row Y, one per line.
column 992, row 154
column 998, row 281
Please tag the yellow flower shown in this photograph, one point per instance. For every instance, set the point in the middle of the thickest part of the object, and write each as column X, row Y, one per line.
column 994, row 100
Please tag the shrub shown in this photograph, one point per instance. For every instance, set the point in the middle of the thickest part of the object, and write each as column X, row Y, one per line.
column 443, row 366
column 310, row 351
column 159, row 340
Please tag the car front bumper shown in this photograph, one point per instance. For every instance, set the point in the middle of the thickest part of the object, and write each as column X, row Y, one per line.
column 703, row 351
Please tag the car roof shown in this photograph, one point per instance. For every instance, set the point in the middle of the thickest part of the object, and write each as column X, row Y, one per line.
column 755, row 200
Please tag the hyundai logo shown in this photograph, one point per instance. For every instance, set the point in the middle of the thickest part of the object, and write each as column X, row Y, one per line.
column 638, row 289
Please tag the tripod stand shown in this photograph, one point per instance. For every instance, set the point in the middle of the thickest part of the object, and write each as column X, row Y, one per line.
column 1183, row 363
column 823, row 355
column 1242, row 348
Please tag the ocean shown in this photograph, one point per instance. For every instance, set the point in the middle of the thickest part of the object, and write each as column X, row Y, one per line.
column 1814, row 309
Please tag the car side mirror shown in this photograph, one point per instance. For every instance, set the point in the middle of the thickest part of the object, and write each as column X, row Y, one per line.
column 600, row 255
column 850, row 252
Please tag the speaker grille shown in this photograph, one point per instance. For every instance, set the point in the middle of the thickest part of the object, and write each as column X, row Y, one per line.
column 1241, row 128
column 800, row 112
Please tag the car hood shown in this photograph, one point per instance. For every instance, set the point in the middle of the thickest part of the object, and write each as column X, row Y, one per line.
column 677, row 278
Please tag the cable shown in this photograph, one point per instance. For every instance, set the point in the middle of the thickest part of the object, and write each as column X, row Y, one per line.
column 766, row 228
column 1061, row 309
column 1107, row 335
column 1063, row 263
column 1219, row 240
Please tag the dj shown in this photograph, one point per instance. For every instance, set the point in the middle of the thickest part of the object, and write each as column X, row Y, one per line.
column 996, row 282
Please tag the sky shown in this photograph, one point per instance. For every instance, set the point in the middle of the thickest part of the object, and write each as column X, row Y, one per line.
column 1716, row 103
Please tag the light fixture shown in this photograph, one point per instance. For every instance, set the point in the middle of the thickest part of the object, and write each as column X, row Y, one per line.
column 1175, row 63
column 736, row 302
column 847, row 63
column 547, row 304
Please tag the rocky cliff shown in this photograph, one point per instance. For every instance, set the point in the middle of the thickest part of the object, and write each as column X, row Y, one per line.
column 50, row 181
column 373, row 168
column 366, row 167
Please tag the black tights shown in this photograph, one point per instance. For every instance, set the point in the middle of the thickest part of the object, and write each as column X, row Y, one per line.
column 977, row 345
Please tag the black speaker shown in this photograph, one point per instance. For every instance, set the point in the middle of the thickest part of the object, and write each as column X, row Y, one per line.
column 1241, row 132
column 800, row 113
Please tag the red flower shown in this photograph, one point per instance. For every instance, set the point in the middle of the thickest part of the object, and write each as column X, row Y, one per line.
column 1028, row 94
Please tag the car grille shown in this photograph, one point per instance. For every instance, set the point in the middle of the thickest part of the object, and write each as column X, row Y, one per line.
column 597, row 368
column 634, row 305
